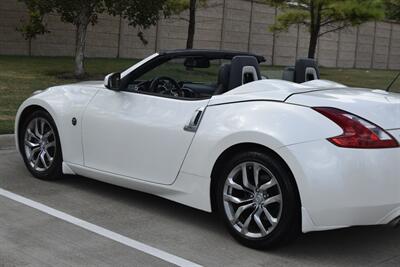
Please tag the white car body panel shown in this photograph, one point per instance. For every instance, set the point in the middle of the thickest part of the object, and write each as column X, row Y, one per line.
column 273, row 90
column 63, row 103
column 345, row 187
column 380, row 107
column 146, row 142
column 138, row 141
column 259, row 122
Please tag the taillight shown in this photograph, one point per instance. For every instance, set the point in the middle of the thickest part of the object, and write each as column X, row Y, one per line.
column 357, row 132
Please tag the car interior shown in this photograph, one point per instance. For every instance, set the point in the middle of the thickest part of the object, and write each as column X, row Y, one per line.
column 197, row 77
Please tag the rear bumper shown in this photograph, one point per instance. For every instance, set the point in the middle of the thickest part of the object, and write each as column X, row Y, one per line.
column 345, row 187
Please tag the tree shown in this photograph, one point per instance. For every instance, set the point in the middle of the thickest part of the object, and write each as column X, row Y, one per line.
column 324, row 16
column 77, row 12
column 178, row 6
column 82, row 13
column 143, row 14
column 34, row 26
column 393, row 9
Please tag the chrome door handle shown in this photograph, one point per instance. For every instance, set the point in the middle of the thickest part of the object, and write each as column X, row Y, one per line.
column 194, row 122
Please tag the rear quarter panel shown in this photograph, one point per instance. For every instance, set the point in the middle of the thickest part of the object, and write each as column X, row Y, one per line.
column 268, row 123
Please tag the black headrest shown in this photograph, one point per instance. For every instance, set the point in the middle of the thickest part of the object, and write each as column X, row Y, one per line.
column 237, row 65
column 304, row 67
column 223, row 78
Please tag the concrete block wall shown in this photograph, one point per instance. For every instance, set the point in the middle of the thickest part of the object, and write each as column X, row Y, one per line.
column 11, row 41
column 394, row 54
column 261, row 40
column 223, row 24
column 347, row 46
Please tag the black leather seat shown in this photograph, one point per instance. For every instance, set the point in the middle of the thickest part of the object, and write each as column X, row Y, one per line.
column 306, row 69
column 242, row 69
column 223, row 79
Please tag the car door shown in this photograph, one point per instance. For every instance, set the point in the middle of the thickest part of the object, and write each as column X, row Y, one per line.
column 138, row 136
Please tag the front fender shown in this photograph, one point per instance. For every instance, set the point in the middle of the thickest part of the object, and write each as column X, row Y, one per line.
column 63, row 103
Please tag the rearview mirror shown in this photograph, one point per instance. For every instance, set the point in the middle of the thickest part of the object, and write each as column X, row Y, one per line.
column 113, row 81
column 197, row 62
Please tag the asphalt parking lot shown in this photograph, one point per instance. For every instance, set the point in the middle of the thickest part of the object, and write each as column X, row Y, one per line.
column 29, row 237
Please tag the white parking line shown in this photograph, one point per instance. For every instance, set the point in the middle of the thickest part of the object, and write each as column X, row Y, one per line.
column 99, row 230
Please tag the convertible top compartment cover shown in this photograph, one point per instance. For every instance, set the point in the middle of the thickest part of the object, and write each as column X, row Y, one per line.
column 379, row 107
column 268, row 90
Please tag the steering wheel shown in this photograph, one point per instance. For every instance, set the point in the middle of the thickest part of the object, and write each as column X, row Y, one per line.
column 166, row 86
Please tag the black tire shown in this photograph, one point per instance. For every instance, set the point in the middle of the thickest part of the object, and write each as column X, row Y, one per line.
column 288, row 226
column 54, row 172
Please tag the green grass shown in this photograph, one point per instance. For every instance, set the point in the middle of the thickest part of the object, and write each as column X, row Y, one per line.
column 20, row 76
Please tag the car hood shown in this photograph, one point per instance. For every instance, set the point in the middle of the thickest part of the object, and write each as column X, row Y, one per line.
column 377, row 106
column 96, row 84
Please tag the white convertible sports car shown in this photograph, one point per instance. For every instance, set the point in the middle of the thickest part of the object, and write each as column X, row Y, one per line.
column 205, row 129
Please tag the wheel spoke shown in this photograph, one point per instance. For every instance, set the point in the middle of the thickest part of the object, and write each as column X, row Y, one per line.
column 240, row 210
column 274, row 199
column 260, row 225
column 235, row 185
column 43, row 160
column 256, row 173
column 245, row 228
column 37, row 133
column 51, row 144
column 31, row 144
column 33, row 153
column 49, row 158
column 235, row 200
column 268, row 185
column 245, row 179
column 48, row 134
column 42, row 123
column 35, row 165
column 31, row 134
column 272, row 220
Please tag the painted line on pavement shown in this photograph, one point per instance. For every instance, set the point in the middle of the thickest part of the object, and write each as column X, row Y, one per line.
column 99, row 230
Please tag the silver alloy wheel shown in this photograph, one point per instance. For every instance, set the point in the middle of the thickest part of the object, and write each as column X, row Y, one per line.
column 252, row 200
column 40, row 144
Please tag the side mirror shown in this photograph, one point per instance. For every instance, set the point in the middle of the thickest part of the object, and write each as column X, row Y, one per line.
column 113, row 81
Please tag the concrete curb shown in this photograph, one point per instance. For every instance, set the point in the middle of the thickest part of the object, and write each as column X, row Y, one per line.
column 7, row 141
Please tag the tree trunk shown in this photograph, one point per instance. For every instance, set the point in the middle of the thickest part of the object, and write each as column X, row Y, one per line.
column 313, row 45
column 192, row 24
column 81, row 29
column 315, row 27
column 30, row 46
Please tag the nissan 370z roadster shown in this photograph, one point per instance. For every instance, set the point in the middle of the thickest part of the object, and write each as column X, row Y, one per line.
column 204, row 128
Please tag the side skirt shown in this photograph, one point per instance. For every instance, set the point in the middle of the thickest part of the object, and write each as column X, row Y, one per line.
column 188, row 189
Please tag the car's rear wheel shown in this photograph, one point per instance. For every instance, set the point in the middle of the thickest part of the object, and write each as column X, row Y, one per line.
column 40, row 146
column 257, row 199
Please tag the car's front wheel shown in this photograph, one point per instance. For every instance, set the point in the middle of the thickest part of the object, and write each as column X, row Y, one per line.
column 40, row 146
column 257, row 200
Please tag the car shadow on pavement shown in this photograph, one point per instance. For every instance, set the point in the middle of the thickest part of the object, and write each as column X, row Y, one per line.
column 145, row 201
column 350, row 246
